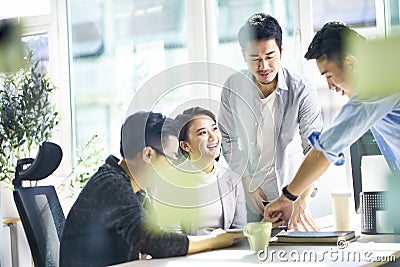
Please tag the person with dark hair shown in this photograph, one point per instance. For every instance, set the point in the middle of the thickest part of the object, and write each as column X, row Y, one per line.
column 329, row 46
column 336, row 63
column 266, row 115
column 108, row 223
column 216, row 193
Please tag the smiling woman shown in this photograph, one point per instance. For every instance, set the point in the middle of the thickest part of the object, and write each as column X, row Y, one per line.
column 211, row 195
column 199, row 138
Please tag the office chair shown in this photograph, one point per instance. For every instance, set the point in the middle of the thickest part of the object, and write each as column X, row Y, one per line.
column 38, row 206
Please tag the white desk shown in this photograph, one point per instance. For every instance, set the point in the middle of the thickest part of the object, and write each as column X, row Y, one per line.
column 358, row 253
column 362, row 252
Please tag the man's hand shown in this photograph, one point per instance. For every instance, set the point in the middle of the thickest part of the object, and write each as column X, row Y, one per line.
column 301, row 215
column 254, row 196
column 281, row 208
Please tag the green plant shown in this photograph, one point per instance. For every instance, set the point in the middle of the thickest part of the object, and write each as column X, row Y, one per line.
column 27, row 116
column 87, row 160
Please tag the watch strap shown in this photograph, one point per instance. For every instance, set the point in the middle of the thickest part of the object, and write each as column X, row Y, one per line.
column 288, row 195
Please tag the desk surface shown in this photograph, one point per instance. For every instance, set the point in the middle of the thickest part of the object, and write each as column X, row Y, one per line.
column 362, row 252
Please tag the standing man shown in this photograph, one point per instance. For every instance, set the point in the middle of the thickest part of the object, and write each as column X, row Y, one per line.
column 266, row 115
column 381, row 115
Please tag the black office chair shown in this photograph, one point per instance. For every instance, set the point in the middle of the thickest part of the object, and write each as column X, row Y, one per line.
column 38, row 206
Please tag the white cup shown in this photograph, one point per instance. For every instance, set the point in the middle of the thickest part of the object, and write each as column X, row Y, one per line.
column 341, row 210
column 258, row 234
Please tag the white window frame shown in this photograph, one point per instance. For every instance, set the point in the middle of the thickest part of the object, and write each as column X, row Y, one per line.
column 56, row 26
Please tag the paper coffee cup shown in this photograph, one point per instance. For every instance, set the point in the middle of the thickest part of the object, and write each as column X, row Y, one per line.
column 341, row 210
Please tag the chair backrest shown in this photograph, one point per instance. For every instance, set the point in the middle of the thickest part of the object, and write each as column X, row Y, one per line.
column 46, row 162
column 43, row 221
column 39, row 207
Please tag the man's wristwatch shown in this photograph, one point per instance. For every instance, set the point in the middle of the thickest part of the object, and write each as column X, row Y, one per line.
column 288, row 195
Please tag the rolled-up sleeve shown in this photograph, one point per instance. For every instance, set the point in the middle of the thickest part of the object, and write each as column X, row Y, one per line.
column 353, row 120
column 337, row 159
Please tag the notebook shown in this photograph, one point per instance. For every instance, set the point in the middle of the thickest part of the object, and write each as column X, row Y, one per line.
column 315, row 236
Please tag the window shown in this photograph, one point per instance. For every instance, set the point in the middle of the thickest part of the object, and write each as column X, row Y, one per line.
column 39, row 44
column 390, row 12
column 360, row 13
column 35, row 23
column 23, row 8
column 117, row 46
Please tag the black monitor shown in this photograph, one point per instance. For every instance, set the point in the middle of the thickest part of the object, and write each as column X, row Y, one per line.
column 366, row 145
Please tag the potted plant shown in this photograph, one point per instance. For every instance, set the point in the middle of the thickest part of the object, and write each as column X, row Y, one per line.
column 27, row 116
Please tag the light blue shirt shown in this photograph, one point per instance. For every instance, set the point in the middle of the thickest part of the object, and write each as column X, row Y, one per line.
column 297, row 114
column 382, row 115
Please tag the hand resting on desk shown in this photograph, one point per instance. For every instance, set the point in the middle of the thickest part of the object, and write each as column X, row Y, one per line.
column 301, row 216
column 216, row 239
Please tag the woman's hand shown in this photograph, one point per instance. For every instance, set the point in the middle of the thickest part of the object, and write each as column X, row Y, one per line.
column 223, row 239
column 216, row 239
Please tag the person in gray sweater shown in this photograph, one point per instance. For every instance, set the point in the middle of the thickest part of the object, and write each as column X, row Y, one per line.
column 108, row 223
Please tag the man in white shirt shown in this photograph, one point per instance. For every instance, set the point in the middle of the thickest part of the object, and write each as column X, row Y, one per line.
column 266, row 114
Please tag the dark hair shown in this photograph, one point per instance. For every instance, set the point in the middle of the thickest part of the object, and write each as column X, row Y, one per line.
column 145, row 129
column 258, row 27
column 331, row 41
column 185, row 120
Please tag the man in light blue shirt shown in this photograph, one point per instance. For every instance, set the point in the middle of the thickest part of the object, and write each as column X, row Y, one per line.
column 266, row 114
column 380, row 114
